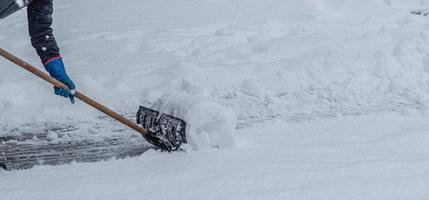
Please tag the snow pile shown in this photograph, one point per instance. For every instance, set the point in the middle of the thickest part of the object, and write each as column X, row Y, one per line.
column 208, row 123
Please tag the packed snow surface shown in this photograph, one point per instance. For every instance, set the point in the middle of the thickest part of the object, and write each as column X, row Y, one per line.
column 285, row 99
column 355, row 158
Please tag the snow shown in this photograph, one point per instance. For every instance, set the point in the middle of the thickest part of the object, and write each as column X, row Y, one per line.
column 369, row 157
column 209, row 125
column 285, row 99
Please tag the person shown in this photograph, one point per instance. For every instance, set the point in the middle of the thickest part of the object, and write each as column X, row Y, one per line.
column 39, row 15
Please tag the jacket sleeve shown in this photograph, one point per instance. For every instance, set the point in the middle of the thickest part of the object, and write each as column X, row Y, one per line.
column 39, row 24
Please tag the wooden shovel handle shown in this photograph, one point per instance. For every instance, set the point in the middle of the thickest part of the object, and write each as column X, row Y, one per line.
column 78, row 95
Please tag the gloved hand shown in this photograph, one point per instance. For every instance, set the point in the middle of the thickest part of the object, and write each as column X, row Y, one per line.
column 56, row 69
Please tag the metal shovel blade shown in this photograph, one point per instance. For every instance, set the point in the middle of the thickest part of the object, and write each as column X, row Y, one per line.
column 164, row 131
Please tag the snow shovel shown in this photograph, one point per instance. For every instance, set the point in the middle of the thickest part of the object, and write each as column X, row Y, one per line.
column 161, row 130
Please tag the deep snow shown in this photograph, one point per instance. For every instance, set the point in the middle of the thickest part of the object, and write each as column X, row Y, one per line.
column 285, row 91
column 250, row 60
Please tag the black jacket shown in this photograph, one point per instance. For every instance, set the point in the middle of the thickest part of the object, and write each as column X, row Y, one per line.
column 39, row 13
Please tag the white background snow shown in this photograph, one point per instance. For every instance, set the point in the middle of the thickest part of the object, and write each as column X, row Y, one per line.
column 285, row 99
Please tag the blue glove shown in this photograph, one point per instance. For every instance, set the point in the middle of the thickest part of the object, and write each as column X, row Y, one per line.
column 56, row 69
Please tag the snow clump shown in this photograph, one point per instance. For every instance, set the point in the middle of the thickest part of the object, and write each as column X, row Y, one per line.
column 209, row 125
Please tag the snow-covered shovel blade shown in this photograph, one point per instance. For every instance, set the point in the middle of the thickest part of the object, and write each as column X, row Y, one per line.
column 164, row 131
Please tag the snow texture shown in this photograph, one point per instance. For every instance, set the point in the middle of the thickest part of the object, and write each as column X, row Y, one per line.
column 354, row 158
column 284, row 99
column 209, row 124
